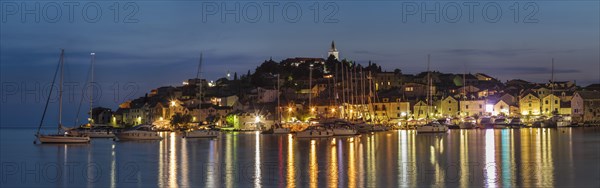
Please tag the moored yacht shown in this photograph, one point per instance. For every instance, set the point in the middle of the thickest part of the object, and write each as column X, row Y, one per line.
column 140, row 132
column 563, row 122
column 485, row 123
column 468, row 123
column 60, row 136
column 432, row 127
column 315, row 132
column 500, row 123
column 516, row 123
column 448, row 123
column 344, row 130
column 201, row 133
column 95, row 131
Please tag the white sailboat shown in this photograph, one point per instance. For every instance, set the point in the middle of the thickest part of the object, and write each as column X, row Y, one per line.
column 140, row 132
column 278, row 128
column 433, row 126
column 94, row 130
column 201, row 133
column 468, row 123
column 315, row 132
column 60, row 136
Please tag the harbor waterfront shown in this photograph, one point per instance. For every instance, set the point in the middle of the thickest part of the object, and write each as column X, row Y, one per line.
column 526, row 157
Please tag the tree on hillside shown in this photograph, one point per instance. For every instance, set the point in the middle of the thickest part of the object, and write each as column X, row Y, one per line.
column 178, row 120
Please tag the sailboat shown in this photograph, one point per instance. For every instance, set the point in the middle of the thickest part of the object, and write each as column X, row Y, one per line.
column 60, row 136
column 94, row 130
column 201, row 133
column 433, row 126
column 278, row 128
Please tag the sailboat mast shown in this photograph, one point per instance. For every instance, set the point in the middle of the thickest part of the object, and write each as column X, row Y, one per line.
column 428, row 85
column 198, row 74
column 552, row 89
column 60, row 89
column 92, row 88
column 50, row 93
column 310, row 67
column 278, row 94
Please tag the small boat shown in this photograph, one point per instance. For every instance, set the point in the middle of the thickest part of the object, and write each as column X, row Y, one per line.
column 281, row 130
column 201, row 133
column 516, row 123
column 364, row 127
column 468, row 123
column 432, row 127
column 551, row 122
column 500, row 123
column 140, row 132
column 60, row 136
column 485, row 123
column 563, row 122
column 379, row 128
column 538, row 124
column 448, row 123
column 96, row 131
column 344, row 130
column 315, row 132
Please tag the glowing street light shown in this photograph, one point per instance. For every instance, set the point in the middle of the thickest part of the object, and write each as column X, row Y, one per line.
column 257, row 119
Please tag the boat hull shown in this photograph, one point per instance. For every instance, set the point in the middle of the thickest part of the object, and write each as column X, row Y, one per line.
column 281, row 130
column 93, row 134
column 63, row 139
column 202, row 134
column 432, row 129
column 344, row 132
column 138, row 135
column 500, row 126
column 314, row 134
column 467, row 125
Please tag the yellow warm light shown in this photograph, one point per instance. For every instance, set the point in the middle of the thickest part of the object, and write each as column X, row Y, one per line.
column 333, row 110
column 289, row 109
column 173, row 103
column 257, row 119
column 312, row 109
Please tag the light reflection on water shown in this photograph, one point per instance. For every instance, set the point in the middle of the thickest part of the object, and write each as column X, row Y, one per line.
column 460, row 158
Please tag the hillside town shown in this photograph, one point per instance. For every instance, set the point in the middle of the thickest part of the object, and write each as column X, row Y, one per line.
column 301, row 88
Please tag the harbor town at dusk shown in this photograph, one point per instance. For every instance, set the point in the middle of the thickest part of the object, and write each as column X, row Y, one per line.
column 326, row 94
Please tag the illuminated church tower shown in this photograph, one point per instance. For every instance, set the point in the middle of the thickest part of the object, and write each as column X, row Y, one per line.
column 333, row 51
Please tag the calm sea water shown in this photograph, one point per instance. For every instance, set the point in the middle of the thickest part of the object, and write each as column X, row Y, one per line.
column 459, row 158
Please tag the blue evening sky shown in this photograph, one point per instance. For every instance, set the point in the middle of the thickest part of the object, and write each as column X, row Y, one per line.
column 163, row 44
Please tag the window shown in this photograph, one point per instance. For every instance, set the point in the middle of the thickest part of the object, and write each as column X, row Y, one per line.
column 409, row 89
column 466, row 106
column 555, row 101
column 546, row 101
column 480, row 106
column 449, row 102
column 529, row 104
column 449, row 109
